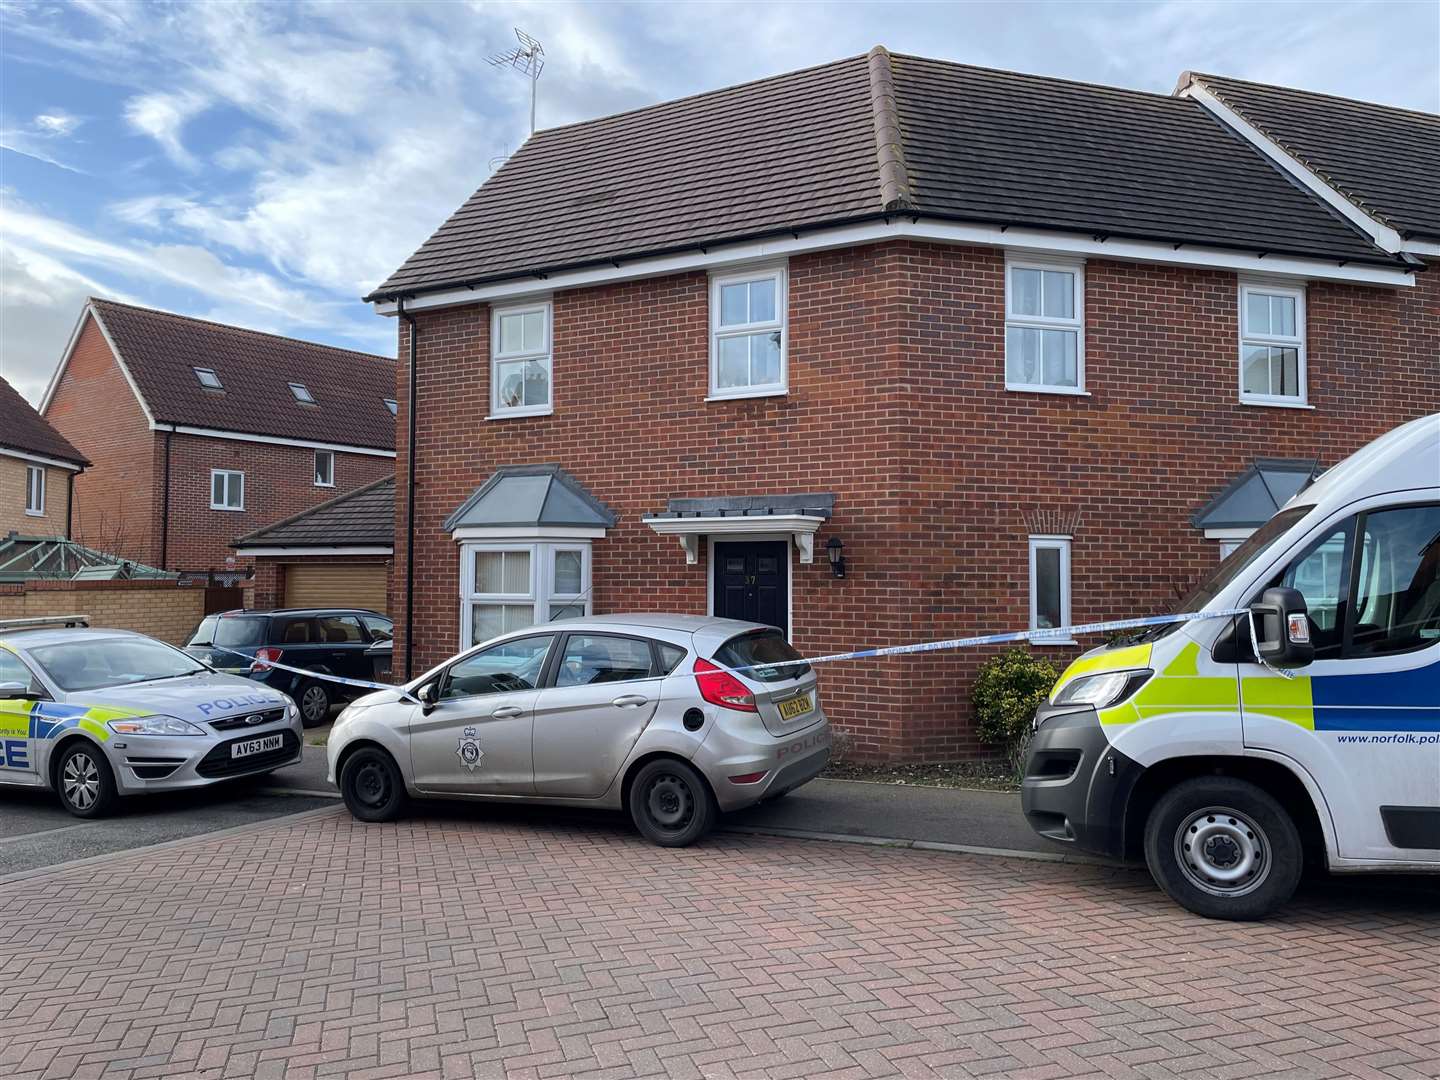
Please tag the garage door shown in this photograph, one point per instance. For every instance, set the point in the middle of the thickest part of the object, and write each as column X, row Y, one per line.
column 361, row 586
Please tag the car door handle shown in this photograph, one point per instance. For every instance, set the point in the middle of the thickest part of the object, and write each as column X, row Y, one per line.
column 506, row 712
column 630, row 701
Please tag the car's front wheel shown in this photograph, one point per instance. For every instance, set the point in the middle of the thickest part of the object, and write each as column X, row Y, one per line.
column 671, row 804
column 84, row 781
column 314, row 704
column 1223, row 848
column 371, row 785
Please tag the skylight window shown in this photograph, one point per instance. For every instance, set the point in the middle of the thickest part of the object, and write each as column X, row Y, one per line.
column 301, row 394
column 208, row 378
column 393, row 406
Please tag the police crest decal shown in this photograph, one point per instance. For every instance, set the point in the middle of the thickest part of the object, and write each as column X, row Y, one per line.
column 469, row 750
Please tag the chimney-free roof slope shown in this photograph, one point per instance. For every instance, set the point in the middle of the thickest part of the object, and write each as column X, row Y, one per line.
column 852, row 140
column 1384, row 159
column 364, row 517
column 160, row 350
column 25, row 430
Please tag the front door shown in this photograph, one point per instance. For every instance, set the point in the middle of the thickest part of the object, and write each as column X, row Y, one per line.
column 752, row 582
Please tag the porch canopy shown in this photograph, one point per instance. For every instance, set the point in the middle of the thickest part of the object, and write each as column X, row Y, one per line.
column 799, row 516
column 1252, row 497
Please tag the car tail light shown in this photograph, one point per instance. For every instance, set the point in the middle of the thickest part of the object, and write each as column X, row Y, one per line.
column 749, row 777
column 264, row 658
column 719, row 687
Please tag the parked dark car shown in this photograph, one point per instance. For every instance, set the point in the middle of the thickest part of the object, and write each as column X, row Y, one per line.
column 350, row 642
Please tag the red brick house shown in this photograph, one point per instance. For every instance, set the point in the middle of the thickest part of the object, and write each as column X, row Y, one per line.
column 201, row 432
column 998, row 342
column 38, row 467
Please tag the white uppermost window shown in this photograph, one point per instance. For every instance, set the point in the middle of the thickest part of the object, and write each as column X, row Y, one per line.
column 1045, row 326
column 1272, row 345
column 208, row 378
column 35, row 490
column 324, row 468
column 227, row 489
column 520, row 360
column 747, row 334
column 302, row 395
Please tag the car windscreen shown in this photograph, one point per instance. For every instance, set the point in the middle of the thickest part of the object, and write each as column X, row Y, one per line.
column 93, row 664
column 762, row 648
column 240, row 631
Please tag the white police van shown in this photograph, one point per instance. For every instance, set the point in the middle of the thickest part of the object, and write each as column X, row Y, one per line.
column 1184, row 745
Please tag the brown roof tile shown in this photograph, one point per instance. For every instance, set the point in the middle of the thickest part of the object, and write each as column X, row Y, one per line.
column 24, row 429
column 363, row 517
column 162, row 350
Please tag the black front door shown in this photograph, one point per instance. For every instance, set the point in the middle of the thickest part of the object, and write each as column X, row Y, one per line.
column 751, row 582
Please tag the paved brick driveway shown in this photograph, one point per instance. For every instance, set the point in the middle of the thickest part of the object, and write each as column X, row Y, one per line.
column 456, row 946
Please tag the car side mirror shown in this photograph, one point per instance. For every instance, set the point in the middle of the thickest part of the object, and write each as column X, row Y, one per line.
column 1282, row 629
column 426, row 694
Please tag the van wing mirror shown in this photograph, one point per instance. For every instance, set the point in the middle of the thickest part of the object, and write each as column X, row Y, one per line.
column 9, row 691
column 1282, row 629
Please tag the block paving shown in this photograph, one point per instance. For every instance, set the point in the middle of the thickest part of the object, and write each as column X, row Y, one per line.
column 473, row 944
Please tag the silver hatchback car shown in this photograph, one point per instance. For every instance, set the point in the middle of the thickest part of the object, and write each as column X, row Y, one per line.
column 675, row 718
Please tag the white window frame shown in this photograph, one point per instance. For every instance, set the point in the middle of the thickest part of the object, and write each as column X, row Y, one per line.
column 541, row 594
column 781, row 276
column 201, row 372
column 233, row 476
column 1062, row 544
column 544, row 355
column 1297, row 342
column 328, row 454
column 35, row 490
column 1041, row 322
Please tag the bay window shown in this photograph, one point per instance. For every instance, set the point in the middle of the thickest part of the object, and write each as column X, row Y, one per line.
column 507, row 587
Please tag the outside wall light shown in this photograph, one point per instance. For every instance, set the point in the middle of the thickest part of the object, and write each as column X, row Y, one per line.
column 833, row 548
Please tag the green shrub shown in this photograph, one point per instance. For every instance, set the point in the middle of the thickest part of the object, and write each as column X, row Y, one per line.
column 1005, row 695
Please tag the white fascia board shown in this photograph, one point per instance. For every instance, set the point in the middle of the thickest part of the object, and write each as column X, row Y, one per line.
column 114, row 352
column 40, row 459
column 525, row 533
column 1014, row 239
column 274, row 440
column 1228, row 534
column 339, row 549
column 1383, row 235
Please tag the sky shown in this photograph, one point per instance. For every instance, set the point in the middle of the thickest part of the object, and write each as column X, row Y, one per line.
column 267, row 164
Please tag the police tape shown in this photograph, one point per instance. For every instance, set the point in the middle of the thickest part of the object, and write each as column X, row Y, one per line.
column 256, row 664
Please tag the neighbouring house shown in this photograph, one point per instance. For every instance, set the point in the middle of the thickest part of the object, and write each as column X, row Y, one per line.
column 1011, row 351
column 336, row 554
column 201, row 432
column 38, row 467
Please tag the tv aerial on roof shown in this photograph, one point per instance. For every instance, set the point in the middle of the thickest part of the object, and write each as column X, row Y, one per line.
column 528, row 58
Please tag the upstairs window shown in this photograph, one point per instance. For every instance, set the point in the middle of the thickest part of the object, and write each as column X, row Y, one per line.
column 747, row 334
column 302, row 395
column 227, row 489
column 393, row 406
column 35, row 490
column 208, row 378
column 1272, row 345
column 520, row 362
column 324, row 468
column 1045, row 327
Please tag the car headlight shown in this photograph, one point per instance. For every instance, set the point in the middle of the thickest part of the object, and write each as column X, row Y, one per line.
column 1102, row 690
column 155, row 724
column 291, row 711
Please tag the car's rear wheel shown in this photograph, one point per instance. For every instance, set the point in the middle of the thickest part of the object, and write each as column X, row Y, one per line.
column 1223, row 848
column 314, row 704
column 671, row 804
column 84, row 781
column 371, row 785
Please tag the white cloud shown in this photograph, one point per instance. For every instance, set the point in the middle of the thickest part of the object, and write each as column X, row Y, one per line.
column 57, row 122
column 163, row 117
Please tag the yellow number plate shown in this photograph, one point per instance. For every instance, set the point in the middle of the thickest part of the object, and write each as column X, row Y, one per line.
column 795, row 707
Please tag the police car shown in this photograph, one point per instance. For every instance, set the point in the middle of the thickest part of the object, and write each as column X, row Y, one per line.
column 95, row 714
column 1231, row 763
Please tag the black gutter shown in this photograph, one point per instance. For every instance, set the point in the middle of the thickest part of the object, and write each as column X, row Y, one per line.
column 411, row 292
column 410, row 498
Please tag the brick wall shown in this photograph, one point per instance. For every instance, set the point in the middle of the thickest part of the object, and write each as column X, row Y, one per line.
column 97, row 411
column 897, row 405
column 14, row 476
column 158, row 608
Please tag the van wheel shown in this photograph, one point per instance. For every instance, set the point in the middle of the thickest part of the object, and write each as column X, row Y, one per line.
column 671, row 804
column 314, row 705
column 84, row 781
column 371, row 785
column 1223, row 848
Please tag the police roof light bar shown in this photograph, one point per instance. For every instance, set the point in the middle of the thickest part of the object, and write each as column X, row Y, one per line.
column 65, row 621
